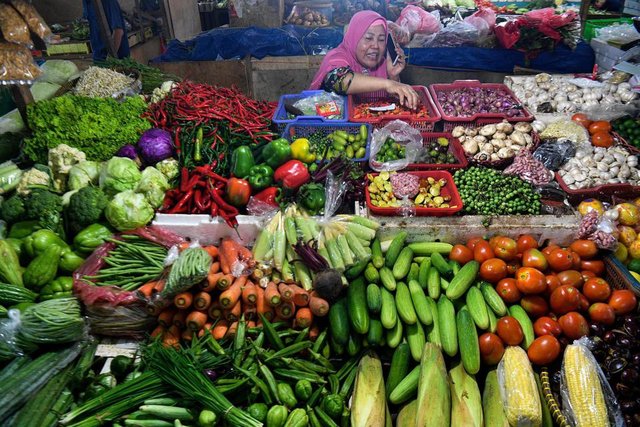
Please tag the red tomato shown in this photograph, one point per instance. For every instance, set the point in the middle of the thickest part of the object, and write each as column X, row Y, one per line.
column 493, row 270
column 581, row 119
column 544, row 350
column 534, row 258
column 560, row 259
column 505, row 248
column 574, row 325
column 553, row 283
column 565, row 299
column 575, row 264
column 546, row 326
column 534, row 305
column 596, row 289
column 508, row 290
column 602, row 139
column 584, row 303
column 571, row 278
column 512, row 267
column 623, row 301
column 550, row 248
column 509, row 330
column 599, row 126
column 472, row 242
column 602, row 313
column 482, row 251
column 526, row 241
column 595, row 265
column 461, row 254
column 530, row 281
column 491, row 348
column 587, row 249
column 586, row 275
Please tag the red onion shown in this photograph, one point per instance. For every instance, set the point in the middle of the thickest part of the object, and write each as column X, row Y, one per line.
column 464, row 102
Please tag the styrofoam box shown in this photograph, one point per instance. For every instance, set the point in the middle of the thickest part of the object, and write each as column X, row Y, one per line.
column 207, row 230
column 607, row 56
column 632, row 7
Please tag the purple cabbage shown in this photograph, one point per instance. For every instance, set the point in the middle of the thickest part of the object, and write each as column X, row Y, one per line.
column 154, row 146
column 128, row 151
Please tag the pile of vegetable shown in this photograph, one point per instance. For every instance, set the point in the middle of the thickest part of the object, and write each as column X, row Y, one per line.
column 627, row 128
column 390, row 150
column 364, row 111
column 98, row 82
column 391, row 189
column 495, row 142
column 151, row 77
column 469, row 101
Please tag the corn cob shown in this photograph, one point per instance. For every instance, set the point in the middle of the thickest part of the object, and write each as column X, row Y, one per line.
column 518, row 389
column 491, row 403
column 466, row 403
column 369, row 406
column 407, row 415
column 584, row 391
column 434, row 398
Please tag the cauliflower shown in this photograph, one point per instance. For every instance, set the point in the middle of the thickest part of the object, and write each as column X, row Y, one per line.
column 31, row 179
column 61, row 160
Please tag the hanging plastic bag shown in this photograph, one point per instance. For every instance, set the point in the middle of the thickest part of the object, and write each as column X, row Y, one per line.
column 335, row 188
column 418, row 20
column 403, row 134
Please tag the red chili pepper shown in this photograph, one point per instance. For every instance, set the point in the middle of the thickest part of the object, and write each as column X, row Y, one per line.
column 185, row 182
column 181, row 207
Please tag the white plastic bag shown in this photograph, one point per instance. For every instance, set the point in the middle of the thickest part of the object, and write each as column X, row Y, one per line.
column 403, row 134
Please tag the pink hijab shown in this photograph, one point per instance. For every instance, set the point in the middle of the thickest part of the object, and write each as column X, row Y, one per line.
column 344, row 55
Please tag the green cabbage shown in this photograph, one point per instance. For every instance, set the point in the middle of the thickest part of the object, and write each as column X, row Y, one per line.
column 128, row 210
column 58, row 71
column 119, row 174
column 153, row 185
column 43, row 90
column 83, row 174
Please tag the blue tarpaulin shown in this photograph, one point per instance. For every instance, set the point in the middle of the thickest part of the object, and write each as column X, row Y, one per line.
column 291, row 40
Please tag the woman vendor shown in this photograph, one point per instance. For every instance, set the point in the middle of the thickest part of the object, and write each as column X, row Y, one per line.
column 360, row 63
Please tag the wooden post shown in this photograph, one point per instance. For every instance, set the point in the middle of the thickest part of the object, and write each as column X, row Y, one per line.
column 584, row 12
column 105, row 32
column 22, row 97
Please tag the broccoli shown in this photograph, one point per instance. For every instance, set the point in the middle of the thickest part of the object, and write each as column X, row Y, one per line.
column 46, row 207
column 86, row 207
column 12, row 209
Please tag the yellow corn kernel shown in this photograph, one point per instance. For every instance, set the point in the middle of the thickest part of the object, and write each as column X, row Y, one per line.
column 520, row 392
column 584, row 389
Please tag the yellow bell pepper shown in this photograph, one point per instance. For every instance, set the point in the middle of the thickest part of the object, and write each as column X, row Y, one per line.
column 301, row 150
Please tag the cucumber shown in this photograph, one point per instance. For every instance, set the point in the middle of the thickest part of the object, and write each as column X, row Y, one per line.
column 354, row 345
column 374, row 298
column 407, row 388
column 433, row 330
column 387, row 279
column 433, row 283
column 404, row 306
column 399, row 367
column 428, row 248
column 357, row 304
column 394, row 249
column 525, row 322
column 419, row 300
column 356, row 269
column 477, row 308
column 371, row 274
column 403, row 264
column 395, row 335
column 493, row 300
column 388, row 313
column 447, row 325
column 493, row 321
column 414, row 272
column 463, row 280
column 376, row 333
column 441, row 264
column 455, row 266
column 416, row 340
column 423, row 274
column 339, row 322
column 376, row 254
column 468, row 341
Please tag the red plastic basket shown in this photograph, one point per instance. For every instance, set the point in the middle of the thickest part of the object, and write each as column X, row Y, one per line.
column 425, row 124
column 448, row 190
column 455, row 148
column 451, row 121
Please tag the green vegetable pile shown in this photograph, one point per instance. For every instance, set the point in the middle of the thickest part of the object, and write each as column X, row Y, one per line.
column 390, row 151
column 150, row 77
column 629, row 129
column 97, row 126
column 486, row 191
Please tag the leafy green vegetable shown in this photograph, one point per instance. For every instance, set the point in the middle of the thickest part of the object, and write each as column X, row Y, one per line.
column 153, row 185
column 119, row 174
column 86, row 207
column 129, row 210
column 97, row 126
column 83, row 174
column 12, row 209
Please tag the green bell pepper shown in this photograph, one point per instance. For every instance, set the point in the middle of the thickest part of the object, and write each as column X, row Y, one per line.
column 22, row 229
column 60, row 287
column 242, row 161
column 87, row 240
column 40, row 240
column 260, row 177
column 70, row 261
column 312, row 198
column 277, row 152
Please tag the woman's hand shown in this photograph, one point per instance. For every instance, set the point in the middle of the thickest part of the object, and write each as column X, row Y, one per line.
column 393, row 71
column 405, row 93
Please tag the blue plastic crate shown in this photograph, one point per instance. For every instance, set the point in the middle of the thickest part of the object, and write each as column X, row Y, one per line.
column 280, row 115
column 302, row 129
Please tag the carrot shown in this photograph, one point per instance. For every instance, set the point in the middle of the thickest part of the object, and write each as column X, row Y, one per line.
column 196, row 320
column 183, row 300
column 187, row 335
column 159, row 286
column 261, row 304
column 205, row 329
column 215, row 311
column 304, row 317
column 227, row 255
column 286, row 292
column 158, row 331
column 212, row 281
column 220, row 329
column 179, row 318
column 231, row 296
column 257, row 274
column 234, row 313
column 250, row 311
column 319, row 307
column 233, row 328
column 286, row 310
column 215, row 267
column 225, row 281
column 272, row 295
column 201, row 301
column 211, row 250
column 166, row 317
column 147, row 289
column 171, row 337
column 314, row 332
column 300, row 296
column 249, row 293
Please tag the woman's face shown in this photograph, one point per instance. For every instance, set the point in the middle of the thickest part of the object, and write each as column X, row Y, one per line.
column 371, row 48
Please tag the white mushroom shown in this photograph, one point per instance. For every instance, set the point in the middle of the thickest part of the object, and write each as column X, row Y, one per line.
column 471, row 131
column 487, row 148
column 499, row 143
column 470, row 146
column 499, row 135
column 480, row 139
column 523, row 127
column 504, row 127
column 506, row 153
column 568, row 179
column 518, row 138
column 458, row 131
column 528, row 139
column 488, row 130
column 495, row 157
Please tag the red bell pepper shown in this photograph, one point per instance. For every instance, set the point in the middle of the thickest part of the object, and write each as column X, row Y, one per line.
column 269, row 196
column 292, row 175
column 238, row 191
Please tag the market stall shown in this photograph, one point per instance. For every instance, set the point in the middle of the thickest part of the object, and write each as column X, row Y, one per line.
column 178, row 253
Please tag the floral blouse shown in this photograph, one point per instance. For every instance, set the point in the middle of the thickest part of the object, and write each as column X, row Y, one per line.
column 338, row 80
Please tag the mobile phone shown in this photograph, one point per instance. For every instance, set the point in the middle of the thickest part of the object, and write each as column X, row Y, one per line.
column 391, row 49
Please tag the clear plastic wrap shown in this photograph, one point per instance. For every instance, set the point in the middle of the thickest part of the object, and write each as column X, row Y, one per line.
column 403, row 134
column 418, row 21
column 599, row 229
column 325, row 104
column 33, row 19
column 529, row 169
column 401, row 35
column 565, row 129
column 13, row 27
column 554, row 154
column 8, row 329
column 458, row 33
column 16, row 64
column 620, row 34
column 585, row 390
column 518, row 389
column 405, row 187
column 335, row 189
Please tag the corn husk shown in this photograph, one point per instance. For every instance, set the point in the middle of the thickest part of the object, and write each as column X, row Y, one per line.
column 368, row 405
column 434, row 397
column 466, row 403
